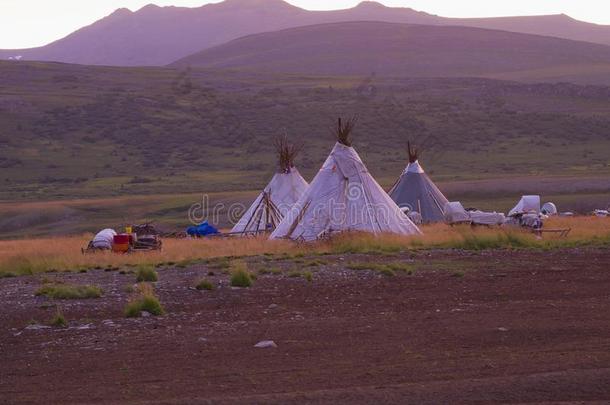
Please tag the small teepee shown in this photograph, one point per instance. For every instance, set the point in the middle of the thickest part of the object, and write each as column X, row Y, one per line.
column 343, row 197
column 414, row 190
column 284, row 189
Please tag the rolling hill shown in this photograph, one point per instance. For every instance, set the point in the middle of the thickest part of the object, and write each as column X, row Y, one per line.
column 390, row 49
column 74, row 131
column 156, row 36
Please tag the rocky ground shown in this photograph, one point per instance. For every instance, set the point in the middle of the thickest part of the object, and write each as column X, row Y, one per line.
column 510, row 326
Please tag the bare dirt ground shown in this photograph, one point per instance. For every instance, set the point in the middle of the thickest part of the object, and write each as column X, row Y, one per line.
column 465, row 327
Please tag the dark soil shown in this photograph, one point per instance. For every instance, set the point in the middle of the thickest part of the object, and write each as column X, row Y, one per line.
column 498, row 326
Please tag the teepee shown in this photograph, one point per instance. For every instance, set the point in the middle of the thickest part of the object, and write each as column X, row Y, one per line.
column 414, row 190
column 284, row 189
column 343, row 197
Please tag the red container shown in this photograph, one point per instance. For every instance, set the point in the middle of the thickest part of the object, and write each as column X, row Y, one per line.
column 121, row 243
column 121, row 238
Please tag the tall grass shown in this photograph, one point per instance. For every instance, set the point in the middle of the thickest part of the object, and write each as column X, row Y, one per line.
column 22, row 257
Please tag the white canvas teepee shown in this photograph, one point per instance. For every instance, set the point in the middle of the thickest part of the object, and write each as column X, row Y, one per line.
column 415, row 190
column 284, row 189
column 343, row 197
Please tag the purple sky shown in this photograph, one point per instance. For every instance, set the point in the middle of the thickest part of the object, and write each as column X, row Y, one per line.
column 28, row 23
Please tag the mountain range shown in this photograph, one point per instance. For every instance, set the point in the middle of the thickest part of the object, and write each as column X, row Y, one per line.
column 157, row 36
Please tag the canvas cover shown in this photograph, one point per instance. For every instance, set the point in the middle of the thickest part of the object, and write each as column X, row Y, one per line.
column 549, row 209
column 527, row 204
column 486, row 218
column 415, row 217
column 343, row 196
column 455, row 213
column 272, row 203
column 104, row 239
column 415, row 190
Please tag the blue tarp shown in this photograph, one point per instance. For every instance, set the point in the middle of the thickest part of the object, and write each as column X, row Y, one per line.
column 202, row 229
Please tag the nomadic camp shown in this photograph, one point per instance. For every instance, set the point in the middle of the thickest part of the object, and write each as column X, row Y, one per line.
column 343, row 196
column 414, row 190
column 284, row 189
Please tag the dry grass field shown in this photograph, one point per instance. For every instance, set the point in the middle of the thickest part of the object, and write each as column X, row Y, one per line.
column 31, row 256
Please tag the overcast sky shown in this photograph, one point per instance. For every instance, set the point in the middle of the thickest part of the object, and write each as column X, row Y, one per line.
column 28, row 23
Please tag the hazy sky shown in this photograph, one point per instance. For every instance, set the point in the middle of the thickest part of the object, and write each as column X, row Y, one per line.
column 27, row 23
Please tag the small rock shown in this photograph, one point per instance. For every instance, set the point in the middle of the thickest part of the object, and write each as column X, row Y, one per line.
column 503, row 329
column 265, row 343
column 202, row 339
column 271, row 306
column 145, row 314
column 37, row 327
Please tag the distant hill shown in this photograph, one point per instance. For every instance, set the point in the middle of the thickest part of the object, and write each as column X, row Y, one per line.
column 363, row 48
column 157, row 36
column 69, row 131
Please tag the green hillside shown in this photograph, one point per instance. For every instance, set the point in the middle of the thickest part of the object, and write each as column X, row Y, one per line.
column 69, row 131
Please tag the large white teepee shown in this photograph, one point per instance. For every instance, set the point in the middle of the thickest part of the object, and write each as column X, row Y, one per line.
column 276, row 199
column 343, row 197
column 416, row 191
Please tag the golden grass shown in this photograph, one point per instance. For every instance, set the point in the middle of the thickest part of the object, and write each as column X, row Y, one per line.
column 18, row 257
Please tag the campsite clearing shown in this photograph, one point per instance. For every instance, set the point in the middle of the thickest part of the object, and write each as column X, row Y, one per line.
column 497, row 325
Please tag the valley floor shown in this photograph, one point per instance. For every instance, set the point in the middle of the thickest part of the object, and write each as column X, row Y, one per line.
column 463, row 327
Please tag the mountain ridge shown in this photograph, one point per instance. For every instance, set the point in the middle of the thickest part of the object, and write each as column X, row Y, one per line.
column 156, row 36
column 404, row 50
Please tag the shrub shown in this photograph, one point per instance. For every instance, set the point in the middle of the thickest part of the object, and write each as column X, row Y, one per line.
column 7, row 274
column 458, row 274
column 205, row 285
column 66, row 291
column 183, row 264
column 58, row 320
column 387, row 272
column 269, row 270
column 308, row 276
column 359, row 266
column 145, row 301
column 220, row 263
column 314, row 263
column 294, row 274
column 146, row 273
column 404, row 267
column 389, row 269
column 240, row 277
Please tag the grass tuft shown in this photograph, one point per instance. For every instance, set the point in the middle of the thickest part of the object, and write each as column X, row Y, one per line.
column 240, row 277
column 387, row 272
column 205, row 285
column 66, row 291
column 58, row 320
column 144, row 301
column 388, row 269
column 146, row 272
